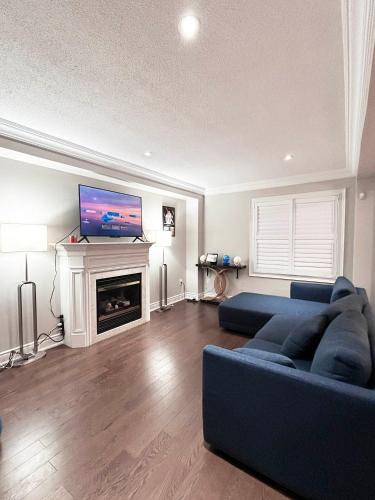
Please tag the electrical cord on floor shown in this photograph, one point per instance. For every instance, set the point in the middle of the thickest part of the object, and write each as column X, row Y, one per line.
column 48, row 336
column 9, row 363
column 55, row 273
column 12, row 355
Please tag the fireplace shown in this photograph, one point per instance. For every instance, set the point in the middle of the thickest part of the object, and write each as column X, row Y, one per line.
column 91, row 274
column 118, row 301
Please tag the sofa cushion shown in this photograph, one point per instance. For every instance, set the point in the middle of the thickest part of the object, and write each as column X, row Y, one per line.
column 272, row 347
column 267, row 356
column 303, row 364
column 279, row 327
column 304, row 338
column 370, row 318
column 263, row 345
column 316, row 292
column 362, row 293
column 342, row 288
column 249, row 312
column 348, row 303
column 344, row 351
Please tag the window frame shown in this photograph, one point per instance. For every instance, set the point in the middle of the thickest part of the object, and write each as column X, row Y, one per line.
column 340, row 195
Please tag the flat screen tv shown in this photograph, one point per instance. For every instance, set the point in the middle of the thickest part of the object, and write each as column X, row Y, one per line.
column 107, row 213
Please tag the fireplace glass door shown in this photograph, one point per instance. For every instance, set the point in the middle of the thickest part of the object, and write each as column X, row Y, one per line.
column 118, row 301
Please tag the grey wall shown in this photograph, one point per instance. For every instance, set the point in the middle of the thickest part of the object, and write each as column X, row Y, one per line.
column 227, row 231
column 37, row 195
column 364, row 237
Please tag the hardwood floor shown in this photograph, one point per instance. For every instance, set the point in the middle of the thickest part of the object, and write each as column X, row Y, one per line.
column 119, row 420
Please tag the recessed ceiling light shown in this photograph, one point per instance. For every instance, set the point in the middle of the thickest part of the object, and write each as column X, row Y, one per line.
column 288, row 157
column 147, row 153
column 188, row 27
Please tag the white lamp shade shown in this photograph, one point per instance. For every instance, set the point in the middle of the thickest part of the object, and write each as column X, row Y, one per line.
column 163, row 238
column 23, row 238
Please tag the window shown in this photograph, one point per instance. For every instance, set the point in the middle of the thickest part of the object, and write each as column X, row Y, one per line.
column 298, row 235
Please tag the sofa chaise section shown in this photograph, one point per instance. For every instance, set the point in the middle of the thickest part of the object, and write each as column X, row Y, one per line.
column 249, row 312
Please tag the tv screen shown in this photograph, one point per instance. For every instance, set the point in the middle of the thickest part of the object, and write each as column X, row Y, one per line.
column 107, row 213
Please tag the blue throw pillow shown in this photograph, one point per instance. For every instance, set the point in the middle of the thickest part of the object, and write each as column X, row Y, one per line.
column 267, row 356
column 342, row 288
column 344, row 351
column 348, row 303
column 303, row 340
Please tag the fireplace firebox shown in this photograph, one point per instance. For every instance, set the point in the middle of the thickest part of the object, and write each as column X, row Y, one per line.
column 118, row 301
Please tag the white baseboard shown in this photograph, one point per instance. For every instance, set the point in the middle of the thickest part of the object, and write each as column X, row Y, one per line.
column 47, row 344
column 194, row 295
column 171, row 300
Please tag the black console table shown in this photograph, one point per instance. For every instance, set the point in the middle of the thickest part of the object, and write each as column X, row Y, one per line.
column 220, row 282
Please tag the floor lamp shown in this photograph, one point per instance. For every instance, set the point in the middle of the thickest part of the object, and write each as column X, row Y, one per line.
column 25, row 238
column 163, row 239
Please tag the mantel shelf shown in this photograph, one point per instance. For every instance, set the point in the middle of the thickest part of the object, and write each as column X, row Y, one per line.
column 104, row 248
column 100, row 244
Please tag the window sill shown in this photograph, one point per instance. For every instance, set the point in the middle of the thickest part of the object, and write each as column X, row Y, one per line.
column 293, row 278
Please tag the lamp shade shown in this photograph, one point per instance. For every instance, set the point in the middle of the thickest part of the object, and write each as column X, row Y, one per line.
column 163, row 239
column 23, row 238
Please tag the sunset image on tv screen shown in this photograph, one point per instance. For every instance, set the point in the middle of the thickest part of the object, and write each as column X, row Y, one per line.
column 107, row 213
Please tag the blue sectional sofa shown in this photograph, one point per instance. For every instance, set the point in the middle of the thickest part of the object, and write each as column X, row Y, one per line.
column 307, row 420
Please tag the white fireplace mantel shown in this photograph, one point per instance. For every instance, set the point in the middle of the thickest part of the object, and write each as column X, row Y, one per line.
column 80, row 265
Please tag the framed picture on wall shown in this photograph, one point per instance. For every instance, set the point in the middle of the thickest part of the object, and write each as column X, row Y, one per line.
column 169, row 219
column 211, row 258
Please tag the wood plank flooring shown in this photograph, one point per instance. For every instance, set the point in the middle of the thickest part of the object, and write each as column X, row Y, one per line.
column 120, row 420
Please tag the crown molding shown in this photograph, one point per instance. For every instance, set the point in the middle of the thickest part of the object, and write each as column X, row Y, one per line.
column 21, row 134
column 25, row 135
column 358, row 26
column 12, row 154
column 327, row 175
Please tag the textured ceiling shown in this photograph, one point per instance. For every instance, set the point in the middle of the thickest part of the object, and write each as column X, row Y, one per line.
column 264, row 78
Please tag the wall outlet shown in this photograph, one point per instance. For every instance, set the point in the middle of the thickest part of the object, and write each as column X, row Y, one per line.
column 62, row 327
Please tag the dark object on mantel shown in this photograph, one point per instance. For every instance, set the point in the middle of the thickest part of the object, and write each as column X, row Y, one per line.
column 217, row 267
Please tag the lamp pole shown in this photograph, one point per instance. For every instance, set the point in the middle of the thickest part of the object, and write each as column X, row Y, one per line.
column 163, row 283
column 25, row 238
column 26, row 269
column 35, row 355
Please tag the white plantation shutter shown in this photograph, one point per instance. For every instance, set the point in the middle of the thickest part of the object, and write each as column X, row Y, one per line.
column 298, row 235
column 314, row 244
column 272, row 235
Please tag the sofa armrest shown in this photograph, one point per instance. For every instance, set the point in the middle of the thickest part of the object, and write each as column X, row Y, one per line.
column 312, row 435
column 315, row 292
